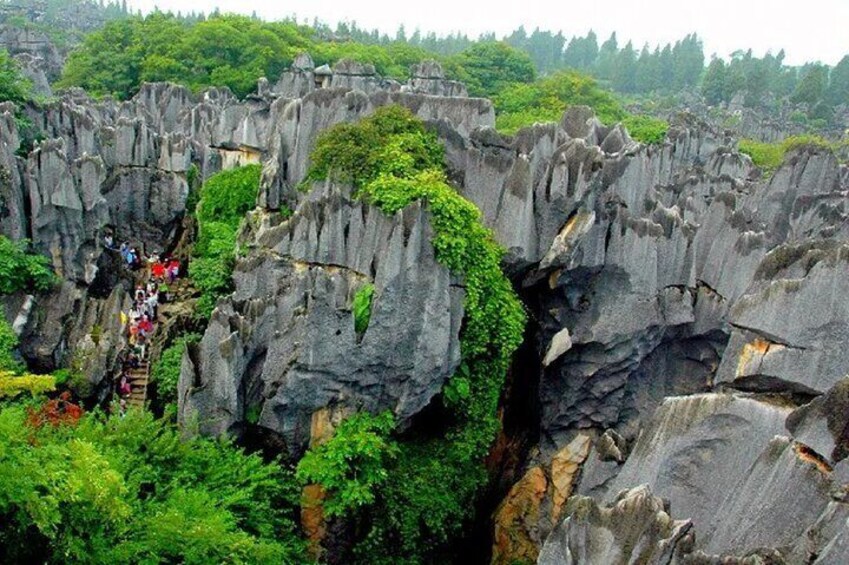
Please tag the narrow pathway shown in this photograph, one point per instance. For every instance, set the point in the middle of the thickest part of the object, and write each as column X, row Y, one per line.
column 138, row 373
column 139, row 379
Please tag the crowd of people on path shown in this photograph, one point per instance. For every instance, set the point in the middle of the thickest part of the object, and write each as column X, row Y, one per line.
column 147, row 297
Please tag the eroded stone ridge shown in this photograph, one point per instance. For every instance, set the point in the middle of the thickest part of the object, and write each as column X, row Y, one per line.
column 285, row 344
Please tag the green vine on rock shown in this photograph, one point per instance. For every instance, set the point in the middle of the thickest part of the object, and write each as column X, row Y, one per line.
column 225, row 198
column 362, row 308
column 391, row 160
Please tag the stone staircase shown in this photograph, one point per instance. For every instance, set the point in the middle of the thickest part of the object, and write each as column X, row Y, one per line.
column 181, row 290
column 139, row 379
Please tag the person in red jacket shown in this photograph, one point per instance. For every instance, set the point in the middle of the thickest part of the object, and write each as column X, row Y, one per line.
column 158, row 270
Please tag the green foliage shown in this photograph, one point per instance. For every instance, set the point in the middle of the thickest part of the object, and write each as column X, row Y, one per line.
column 223, row 50
column 353, row 463
column 229, row 195
column 767, row 156
column 192, row 179
column 488, row 67
column 810, row 89
column 21, row 270
column 232, row 51
column 432, row 483
column 61, row 377
column 13, row 86
column 545, row 100
column 646, row 129
column 12, row 384
column 362, row 307
column 166, row 370
column 131, row 490
column 252, row 414
column 8, row 344
column 354, row 153
column 770, row 156
column 225, row 198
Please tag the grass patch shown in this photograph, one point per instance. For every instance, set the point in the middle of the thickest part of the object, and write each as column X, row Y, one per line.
column 770, row 156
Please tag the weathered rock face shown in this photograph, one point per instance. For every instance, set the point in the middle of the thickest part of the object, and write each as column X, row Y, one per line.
column 110, row 167
column 784, row 497
column 823, row 424
column 296, row 125
column 428, row 78
column 285, row 342
column 98, row 167
column 634, row 529
column 656, row 272
column 40, row 54
column 35, row 69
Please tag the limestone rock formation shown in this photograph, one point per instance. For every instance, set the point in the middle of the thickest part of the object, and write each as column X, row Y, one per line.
column 285, row 342
column 634, row 529
column 40, row 53
column 687, row 313
column 823, row 424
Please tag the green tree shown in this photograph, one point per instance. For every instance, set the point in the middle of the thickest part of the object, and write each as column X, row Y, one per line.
column 225, row 198
column 582, row 52
column 166, row 371
column 353, row 463
column 126, row 490
column 648, row 71
column 22, row 270
column 624, row 78
column 838, row 85
column 810, row 89
column 487, row 68
column 607, row 54
column 13, row 86
column 714, row 85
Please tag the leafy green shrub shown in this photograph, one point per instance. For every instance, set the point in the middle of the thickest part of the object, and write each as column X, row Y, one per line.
column 252, row 414
column 61, row 377
column 770, row 156
column 21, row 270
column 131, row 489
column 362, row 308
column 225, row 198
column 767, row 156
column 520, row 105
column 13, row 86
column 8, row 344
column 802, row 141
column 13, row 384
column 432, row 483
column 166, row 371
column 646, row 129
column 353, row 463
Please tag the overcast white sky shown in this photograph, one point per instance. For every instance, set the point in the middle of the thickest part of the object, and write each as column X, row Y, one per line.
column 808, row 30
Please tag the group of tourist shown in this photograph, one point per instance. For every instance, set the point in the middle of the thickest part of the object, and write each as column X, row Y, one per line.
column 139, row 323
